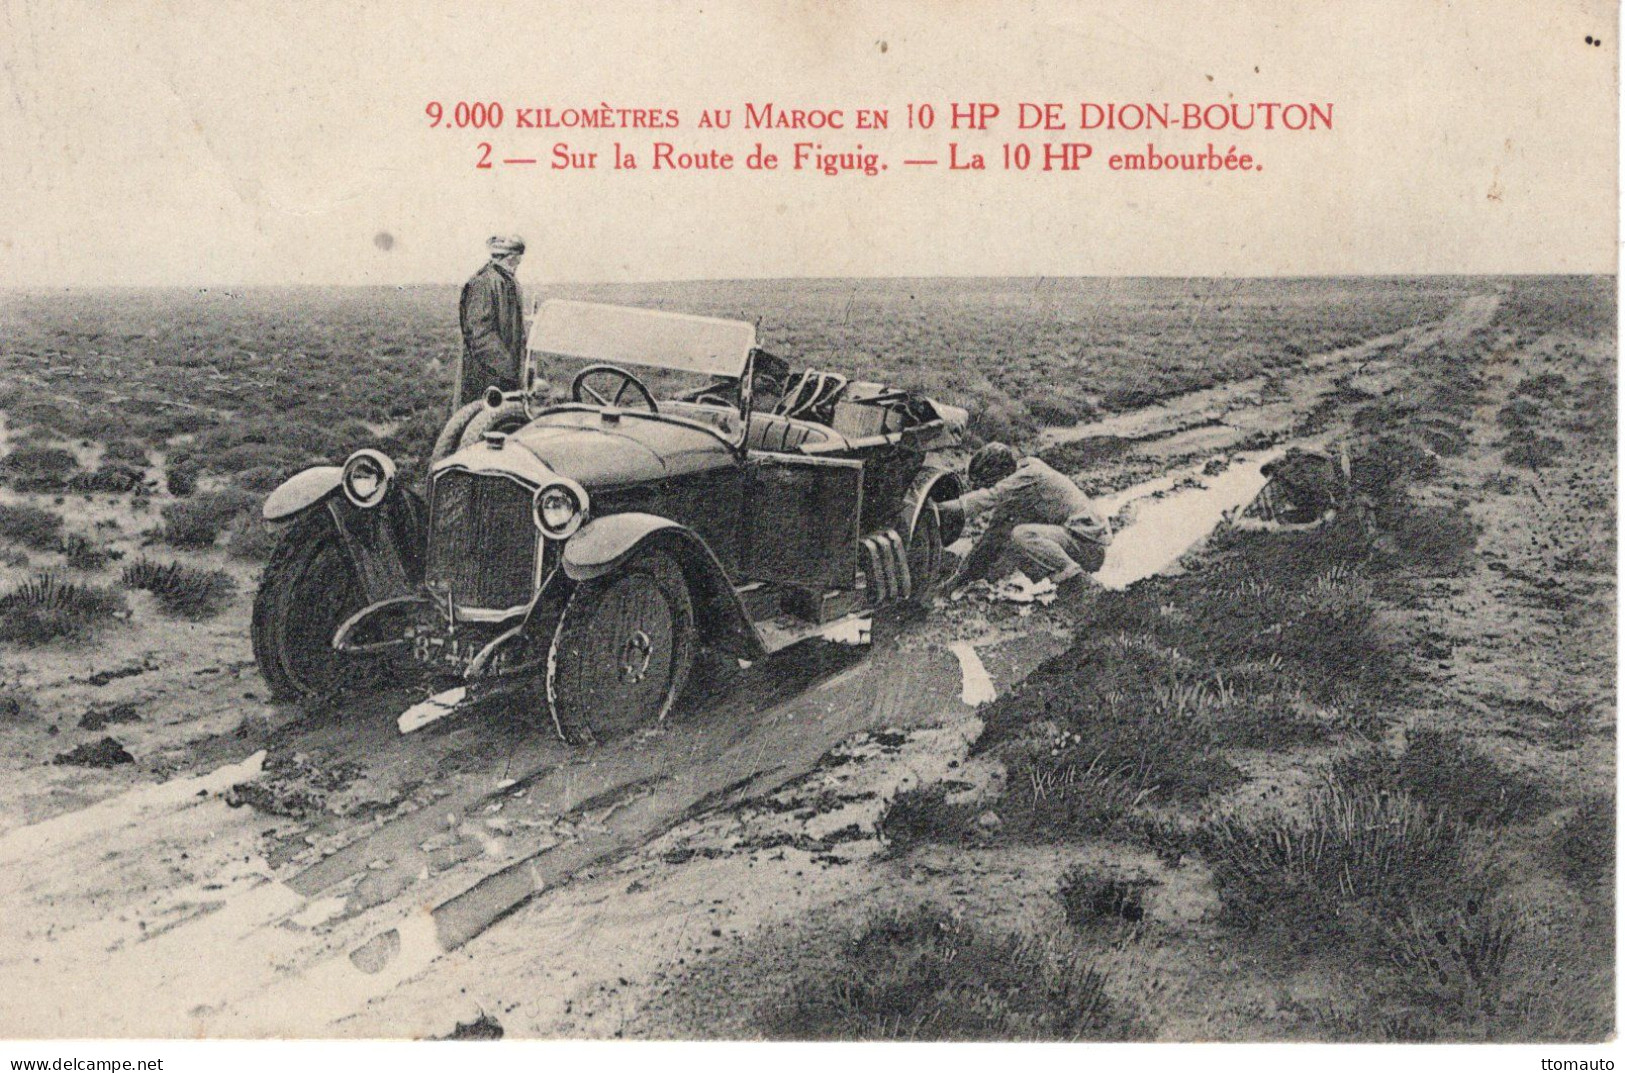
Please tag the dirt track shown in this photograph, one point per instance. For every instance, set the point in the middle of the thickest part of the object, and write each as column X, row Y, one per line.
column 152, row 908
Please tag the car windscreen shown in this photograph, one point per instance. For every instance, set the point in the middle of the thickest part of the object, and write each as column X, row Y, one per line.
column 625, row 335
column 663, row 383
column 675, row 355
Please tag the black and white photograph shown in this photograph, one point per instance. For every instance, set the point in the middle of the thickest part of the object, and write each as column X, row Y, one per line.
column 860, row 522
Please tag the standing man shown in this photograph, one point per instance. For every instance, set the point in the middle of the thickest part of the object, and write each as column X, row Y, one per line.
column 493, row 324
column 1037, row 511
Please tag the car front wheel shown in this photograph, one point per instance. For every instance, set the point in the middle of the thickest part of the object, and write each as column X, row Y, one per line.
column 307, row 591
column 623, row 650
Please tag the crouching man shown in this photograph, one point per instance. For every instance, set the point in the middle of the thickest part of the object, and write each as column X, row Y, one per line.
column 1039, row 513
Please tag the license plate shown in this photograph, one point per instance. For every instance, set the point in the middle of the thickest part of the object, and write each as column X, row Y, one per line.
column 447, row 653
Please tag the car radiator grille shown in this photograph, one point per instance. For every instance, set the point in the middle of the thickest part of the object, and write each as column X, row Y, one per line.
column 482, row 541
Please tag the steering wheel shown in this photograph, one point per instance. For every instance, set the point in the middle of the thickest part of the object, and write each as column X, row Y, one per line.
column 580, row 388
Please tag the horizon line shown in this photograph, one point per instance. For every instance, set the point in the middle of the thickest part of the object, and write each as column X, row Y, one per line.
column 113, row 285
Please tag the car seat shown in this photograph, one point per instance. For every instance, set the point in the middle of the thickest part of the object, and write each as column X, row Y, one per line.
column 775, row 433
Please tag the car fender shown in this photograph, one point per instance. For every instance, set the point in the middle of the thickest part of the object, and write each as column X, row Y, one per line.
column 932, row 484
column 605, row 543
column 302, row 491
column 385, row 545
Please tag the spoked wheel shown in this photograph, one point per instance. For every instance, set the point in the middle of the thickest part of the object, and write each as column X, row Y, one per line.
column 622, row 652
column 308, row 590
column 925, row 558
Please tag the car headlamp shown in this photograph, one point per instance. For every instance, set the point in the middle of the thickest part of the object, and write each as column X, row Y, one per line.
column 366, row 478
column 559, row 511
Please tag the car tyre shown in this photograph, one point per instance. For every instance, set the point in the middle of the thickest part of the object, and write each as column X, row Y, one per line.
column 622, row 651
column 306, row 593
column 925, row 558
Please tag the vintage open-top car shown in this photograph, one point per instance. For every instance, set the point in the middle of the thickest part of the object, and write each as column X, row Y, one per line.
column 590, row 545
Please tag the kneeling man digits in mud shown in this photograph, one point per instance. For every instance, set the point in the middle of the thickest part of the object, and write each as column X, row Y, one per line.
column 1039, row 513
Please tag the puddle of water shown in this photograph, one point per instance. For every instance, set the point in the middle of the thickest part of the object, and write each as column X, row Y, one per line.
column 124, row 810
column 1112, row 503
column 976, row 685
column 1167, row 528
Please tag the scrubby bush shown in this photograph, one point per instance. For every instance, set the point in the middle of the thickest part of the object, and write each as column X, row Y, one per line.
column 1448, row 962
column 42, row 414
column 1347, row 849
column 198, row 522
column 1106, row 725
column 82, row 553
column 1444, row 437
column 47, row 609
column 1520, row 414
column 1006, row 422
column 181, row 479
column 1087, row 452
column 32, row 527
column 1547, row 385
column 17, row 706
column 250, row 457
column 1531, row 451
column 125, row 451
column 1449, row 776
column 39, row 469
column 1129, row 397
column 1089, row 898
column 180, row 589
column 922, row 974
column 1380, row 881
column 1584, row 847
column 1431, row 540
column 262, row 479
column 249, row 536
column 923, row 815
column 110, row 478
column 1386, row 463
column 1058, row 411
column 1077, row 790
column 1230, row 657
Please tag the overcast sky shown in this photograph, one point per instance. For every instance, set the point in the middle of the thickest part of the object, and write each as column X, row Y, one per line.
column 219, row 143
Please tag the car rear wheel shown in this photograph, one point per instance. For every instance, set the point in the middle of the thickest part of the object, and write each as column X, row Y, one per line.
column 308, row 590
column 622, row 652
column 925, row 558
